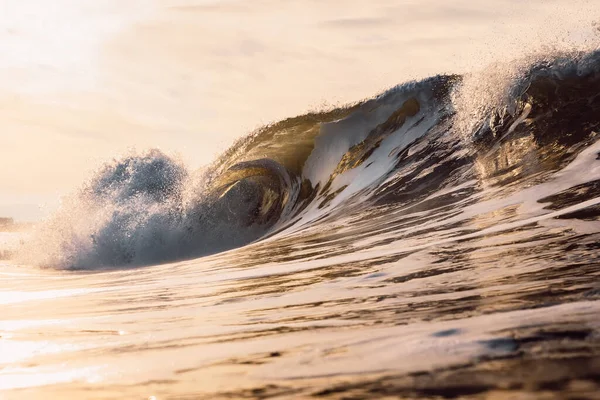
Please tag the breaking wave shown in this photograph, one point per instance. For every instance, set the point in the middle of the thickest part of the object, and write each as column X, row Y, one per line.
column 413, row 145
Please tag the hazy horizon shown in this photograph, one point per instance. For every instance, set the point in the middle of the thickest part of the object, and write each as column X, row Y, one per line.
column 190, row 77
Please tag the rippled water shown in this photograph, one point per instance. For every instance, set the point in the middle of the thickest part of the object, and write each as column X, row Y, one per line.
column 426, row 243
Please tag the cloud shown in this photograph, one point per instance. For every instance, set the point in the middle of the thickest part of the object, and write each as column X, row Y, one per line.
column 354, row 23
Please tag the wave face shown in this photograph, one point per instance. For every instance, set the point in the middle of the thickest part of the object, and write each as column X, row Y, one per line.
column 505, row 126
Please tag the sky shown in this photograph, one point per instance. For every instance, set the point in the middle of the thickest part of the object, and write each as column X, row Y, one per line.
column 83, row 81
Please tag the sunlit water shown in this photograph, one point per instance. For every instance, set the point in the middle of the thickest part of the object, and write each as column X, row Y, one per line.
column 439, row 240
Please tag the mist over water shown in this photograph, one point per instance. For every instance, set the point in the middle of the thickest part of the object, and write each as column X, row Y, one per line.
column 436, row 240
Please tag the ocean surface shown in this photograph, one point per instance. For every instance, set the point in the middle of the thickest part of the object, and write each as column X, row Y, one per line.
column 440, row 240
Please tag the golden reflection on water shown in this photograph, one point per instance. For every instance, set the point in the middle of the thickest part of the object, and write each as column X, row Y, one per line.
column 508, row 161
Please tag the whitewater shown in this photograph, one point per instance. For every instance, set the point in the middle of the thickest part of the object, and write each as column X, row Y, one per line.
column 439, row 240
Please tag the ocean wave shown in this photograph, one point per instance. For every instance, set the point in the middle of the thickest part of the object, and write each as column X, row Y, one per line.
column 399, row 147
